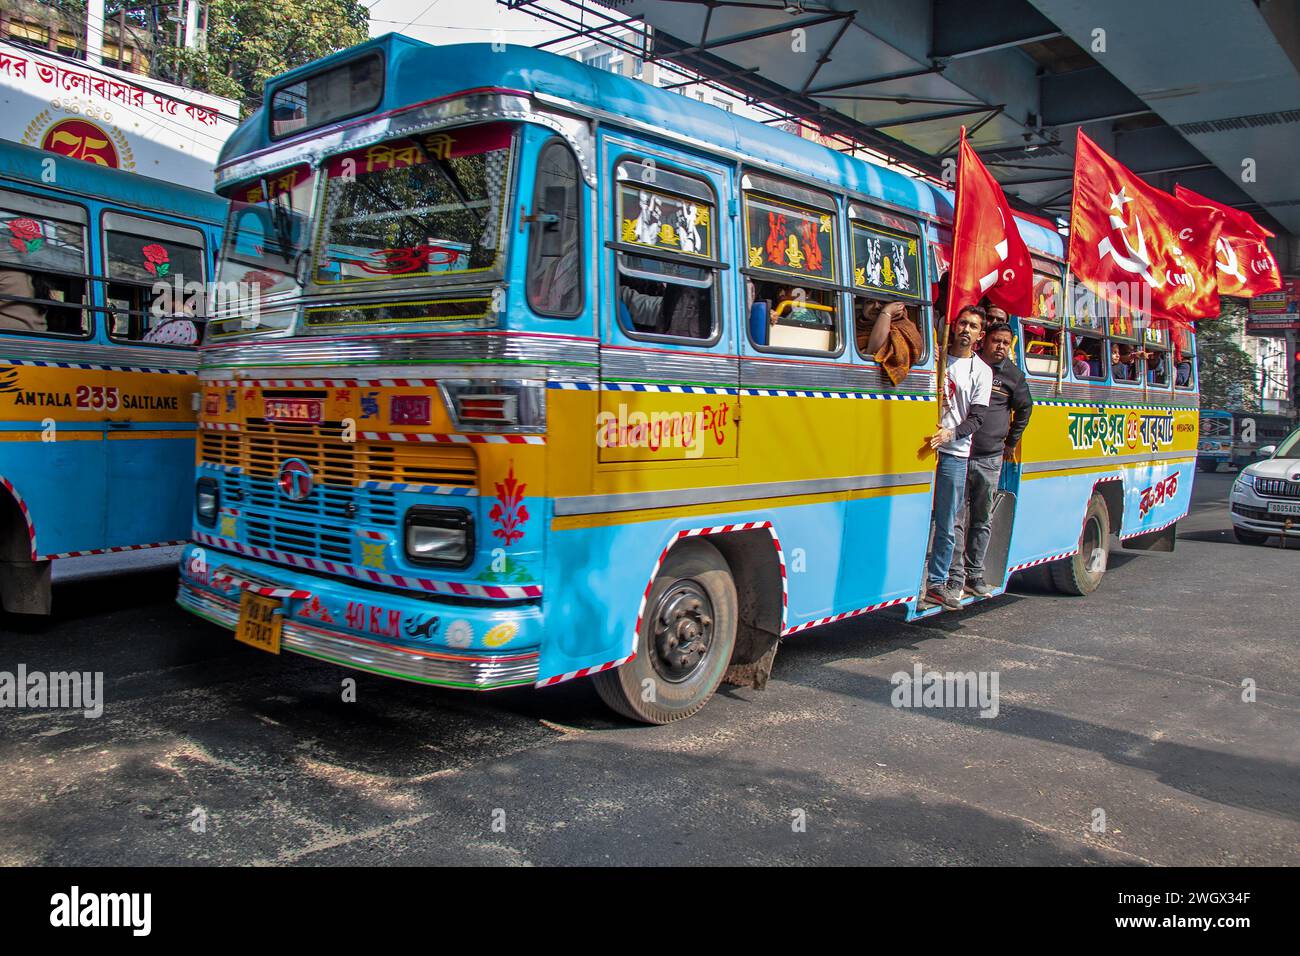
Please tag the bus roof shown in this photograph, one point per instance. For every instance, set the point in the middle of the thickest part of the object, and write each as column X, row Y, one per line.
column 417, row 72
column 115, row 186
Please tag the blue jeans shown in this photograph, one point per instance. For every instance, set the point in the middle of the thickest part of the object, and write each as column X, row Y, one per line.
column 949, row 495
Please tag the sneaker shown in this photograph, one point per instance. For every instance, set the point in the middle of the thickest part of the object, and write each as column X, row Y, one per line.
column 938, row 594
column 978, row 588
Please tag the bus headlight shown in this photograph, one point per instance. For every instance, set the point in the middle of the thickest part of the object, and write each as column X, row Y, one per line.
column 207, row 499
column 441, row 536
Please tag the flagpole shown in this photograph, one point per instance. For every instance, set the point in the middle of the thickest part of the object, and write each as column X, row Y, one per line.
column 941, row 372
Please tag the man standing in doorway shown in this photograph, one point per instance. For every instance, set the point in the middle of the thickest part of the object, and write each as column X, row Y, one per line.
column 1010, row 405
column 966, row 399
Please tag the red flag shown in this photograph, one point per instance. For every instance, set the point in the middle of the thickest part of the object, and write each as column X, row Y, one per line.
column 989, row 257
column 1129, row 240
column 1245, row 265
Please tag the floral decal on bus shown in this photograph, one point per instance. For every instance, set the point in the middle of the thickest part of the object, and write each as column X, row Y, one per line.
column 509, row 513
column 156, row 260
column 27, row 235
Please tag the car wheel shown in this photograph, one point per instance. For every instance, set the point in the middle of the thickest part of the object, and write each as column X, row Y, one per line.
column 1248, row 537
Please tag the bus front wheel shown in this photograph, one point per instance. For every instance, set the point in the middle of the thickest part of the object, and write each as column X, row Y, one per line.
column 1082, row 573
column 687, row 634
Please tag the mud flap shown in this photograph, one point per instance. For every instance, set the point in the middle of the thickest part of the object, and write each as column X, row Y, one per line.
column 1162, row 540
column 25, row 587
column 1000, row 524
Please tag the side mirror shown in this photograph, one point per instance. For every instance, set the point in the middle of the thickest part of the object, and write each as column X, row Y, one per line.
column 1268, row 451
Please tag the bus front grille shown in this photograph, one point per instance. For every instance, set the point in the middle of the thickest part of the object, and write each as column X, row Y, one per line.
column 260, row 448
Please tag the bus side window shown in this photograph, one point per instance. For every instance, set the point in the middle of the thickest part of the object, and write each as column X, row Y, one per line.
column 42, row 266
column 1042, row 330
column 1183, row 375
column 1088, row 356
column 665, row 268
column 555, row 280
column 149, row 265
column 1158, row 367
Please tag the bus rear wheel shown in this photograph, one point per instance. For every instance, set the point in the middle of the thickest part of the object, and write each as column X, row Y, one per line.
column 687, row 634
column 1082, row 573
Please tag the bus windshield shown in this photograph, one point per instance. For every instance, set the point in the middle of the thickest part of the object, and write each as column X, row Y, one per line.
column 1216, row 426
column 427, row 206
column 265, row 239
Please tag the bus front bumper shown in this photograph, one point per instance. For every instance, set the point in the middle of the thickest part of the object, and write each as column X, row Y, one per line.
column 465, row 646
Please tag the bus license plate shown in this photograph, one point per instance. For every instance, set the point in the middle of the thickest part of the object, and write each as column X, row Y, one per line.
column 1284, row 507
column 259, row 622
column 295, row 411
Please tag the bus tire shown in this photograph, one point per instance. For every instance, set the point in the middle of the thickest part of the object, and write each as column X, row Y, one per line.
column 1205, row 464
column 685, row 641
column 1248, row 537
column 1073, row 575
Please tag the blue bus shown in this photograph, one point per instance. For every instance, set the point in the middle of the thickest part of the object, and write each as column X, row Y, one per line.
column 556, row 375
column 97, row 384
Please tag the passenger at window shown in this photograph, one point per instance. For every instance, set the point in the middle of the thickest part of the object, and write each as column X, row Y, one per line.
column 1123, row 362
column 889, row 335
column 967, row 389
column 1010, row 406
column 179, row 329
column 1081, row 369
column 21, row 316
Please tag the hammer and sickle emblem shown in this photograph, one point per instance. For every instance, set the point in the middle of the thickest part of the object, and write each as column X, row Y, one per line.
column 1136, row 261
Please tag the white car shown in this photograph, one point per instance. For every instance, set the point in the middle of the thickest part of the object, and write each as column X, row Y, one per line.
column 1265, row 498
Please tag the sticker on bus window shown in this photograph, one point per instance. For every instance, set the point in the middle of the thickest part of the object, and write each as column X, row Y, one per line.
column 886, row 262
column 790, row 239
column 1047, row 297
column 276, row 184
column 662, row 221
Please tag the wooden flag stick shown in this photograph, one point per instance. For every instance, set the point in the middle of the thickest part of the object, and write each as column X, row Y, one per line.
column 942, row 376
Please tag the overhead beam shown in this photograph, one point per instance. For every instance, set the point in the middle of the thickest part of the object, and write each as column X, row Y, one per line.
column 959, row 31
column 1089, row 95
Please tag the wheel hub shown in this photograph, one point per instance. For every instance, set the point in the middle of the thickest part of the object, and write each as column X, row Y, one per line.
column 682, row 630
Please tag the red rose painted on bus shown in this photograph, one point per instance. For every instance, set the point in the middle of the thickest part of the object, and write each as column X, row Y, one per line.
column 26, row 236
column 156, row 260
column 262, row 279
column 509, row 512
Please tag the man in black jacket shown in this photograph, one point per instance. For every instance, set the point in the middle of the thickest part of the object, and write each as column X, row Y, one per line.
column 1008, row 413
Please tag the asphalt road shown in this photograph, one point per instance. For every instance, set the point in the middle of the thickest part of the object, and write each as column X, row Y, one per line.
column 1128, row 702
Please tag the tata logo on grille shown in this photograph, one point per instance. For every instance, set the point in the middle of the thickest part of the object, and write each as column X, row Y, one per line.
column 295, row 479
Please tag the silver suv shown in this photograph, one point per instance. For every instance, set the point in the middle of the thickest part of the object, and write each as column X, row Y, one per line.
column 1265, row 498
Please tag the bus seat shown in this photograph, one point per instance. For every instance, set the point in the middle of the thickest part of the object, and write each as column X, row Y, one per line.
column 1094, row 369
column 1183, row 374
column 624, row 316
column 758, row 322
